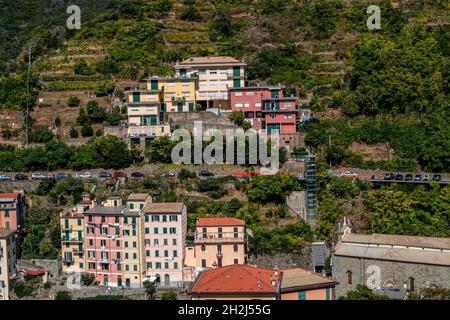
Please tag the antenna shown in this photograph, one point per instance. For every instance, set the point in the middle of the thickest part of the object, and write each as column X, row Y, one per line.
column 28, row 92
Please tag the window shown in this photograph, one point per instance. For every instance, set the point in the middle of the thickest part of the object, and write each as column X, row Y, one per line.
column 173, row 230
column 219, row 230
column 250, row 93
column 117, row 243
column 166, row 265
column 174, row 242
column 219, row 249
column 131, row 206
column 273, row 116
column 175, row 253
column 238, row 94
column 247, row 104
column 170, row 83
column 166, row 253
column 134, row 244
column 103, row 243
column 149, row 265
column 81, row 265
column 79, row 222
column 173, row 217
column 103, row 219
column 90, row 219
column 213, row 71
column 135, row 268
column 302, row 295
column 258, row 104
column 146, row 218
column 126, row 244
column 235, row 248
column 134, row 256
column 126, row 255
column 288, row 116
column 155, row 230
column 235, row 232
column 203, row 263
column 238, row 105
column 236, row 261
column 349, row 278
column 158, row 265
column 175, row 265
column 157, row 253
column 147, row 253
column 165, row 242
column 203, row 248
column 164, row 230
column 156, row 242
column 147, row 230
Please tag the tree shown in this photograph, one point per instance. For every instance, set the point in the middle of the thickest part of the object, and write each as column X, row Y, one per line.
column 87, row 279
column 169, row 295
column 87, row 131
column 362, row 292
column 83, row 119
column 150, row 290
column 57, row 121
column 237, row 117
column 73, row 101
column 73, row 133
column 160, row 150
column 41, row 134
column 111, row 152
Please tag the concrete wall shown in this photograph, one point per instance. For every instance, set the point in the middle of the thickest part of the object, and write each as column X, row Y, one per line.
column 26, row 185
column 396, row 273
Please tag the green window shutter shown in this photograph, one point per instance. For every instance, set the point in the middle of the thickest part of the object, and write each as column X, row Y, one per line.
column 118, row 255
column 125, row 220
column 135, row 268
column 328, row 293
column 7, row 214
column 302, row 295
column 79, row 222
column 154, row 84
column 163, row 107
column 274, row 94
column 119, row 267
column 66, row 223
column 175, row 265
column 236, row 83
column 126, row 244
column 81, row 265
column 136, row 97
column 191, row 107
column 141, row 206
column 155, row 230
column 180, row 107
column 127, row 267
column 131, row 206
column 236, row 71
column 147, row 230
column 117, row 231
column 164, row 230
column 80, row 235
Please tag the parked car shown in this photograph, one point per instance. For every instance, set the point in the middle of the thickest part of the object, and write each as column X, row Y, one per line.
column 137, row 175
column 349, row 174
column 399, row 177
column 409, row 177
column 437, row 177
column 418, row 177
column 39, row 176
column 61, row 176
column 389, row 176
column 4, row 177
column 119, row 174
column 85, row 175
column 426, row 177
column 104, row 174
column 169, row 174
column 205, row 173
column 21, row 176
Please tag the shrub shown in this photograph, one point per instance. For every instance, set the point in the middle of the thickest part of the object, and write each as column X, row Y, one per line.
column 57, row 121
column 73, row 101
column 63, row 295
column 87, row 279
column 41, row 134
column 169, row 295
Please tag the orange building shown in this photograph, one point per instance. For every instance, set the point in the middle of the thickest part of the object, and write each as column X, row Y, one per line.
column 237, row 282
column 303, row 284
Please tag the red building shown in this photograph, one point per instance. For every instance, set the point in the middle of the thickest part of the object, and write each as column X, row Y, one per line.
column 280, row 115
column 12, row 210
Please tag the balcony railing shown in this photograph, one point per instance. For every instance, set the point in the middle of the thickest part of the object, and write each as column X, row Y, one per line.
column 219, row 237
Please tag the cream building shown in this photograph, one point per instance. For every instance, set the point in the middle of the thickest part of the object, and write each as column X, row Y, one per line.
column 218, row 242
column 8, row 260
column 72, row 237
column 215, row 75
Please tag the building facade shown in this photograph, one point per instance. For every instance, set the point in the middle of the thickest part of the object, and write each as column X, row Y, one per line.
column 215, row 75
column 165, row 230
column 219, row 242
column 12, row 210
column 303, row 284
column 383, row 261
column 8, row 259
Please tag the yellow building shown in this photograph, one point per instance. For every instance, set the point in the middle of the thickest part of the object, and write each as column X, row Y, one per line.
column 72, row 237
column 177, row 94
column 237, row 282
column 133, row 237
column 219, row 242
column 8, row 260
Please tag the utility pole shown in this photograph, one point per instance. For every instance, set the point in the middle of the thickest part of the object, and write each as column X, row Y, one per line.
column 28, row 92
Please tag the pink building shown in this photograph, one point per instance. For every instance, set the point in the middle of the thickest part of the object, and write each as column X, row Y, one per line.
column 12, row 210
column 250, row 101
column 165, row 230
column 104, row 244
column 280, row 114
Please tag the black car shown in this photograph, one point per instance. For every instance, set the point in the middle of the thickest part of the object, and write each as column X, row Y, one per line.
column 399, row 177
column 205, row 174
column 21, row 176
column 104, row 174
column 137, row 175
column 418, row 177
column 409, row 177
column 389, row 176
column 437, row 177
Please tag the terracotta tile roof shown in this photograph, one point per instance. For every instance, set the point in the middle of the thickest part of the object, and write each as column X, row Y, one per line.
column 237, row 279
column 9, row 195
column 5, row 233
column 138, row 196
column 170, row 207
column 212, row 222
column 300, row 277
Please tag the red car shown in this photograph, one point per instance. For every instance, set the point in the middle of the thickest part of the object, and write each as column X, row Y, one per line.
column 120, row 175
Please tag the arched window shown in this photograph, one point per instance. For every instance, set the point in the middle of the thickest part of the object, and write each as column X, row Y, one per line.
column 349, row 277
column 203, row 248
column 235, row 248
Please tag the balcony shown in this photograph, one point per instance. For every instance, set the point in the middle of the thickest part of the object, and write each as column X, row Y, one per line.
column 146, row 131
column 71, row 239
column 215, row 237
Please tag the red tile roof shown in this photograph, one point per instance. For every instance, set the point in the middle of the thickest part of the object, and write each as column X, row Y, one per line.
column 237, row 279
column 9, row 195
column 213, row 222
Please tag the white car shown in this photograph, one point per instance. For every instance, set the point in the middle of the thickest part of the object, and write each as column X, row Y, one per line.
column 86, row 175
column 349, row 174
column 4, row 177
column 38, row 176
